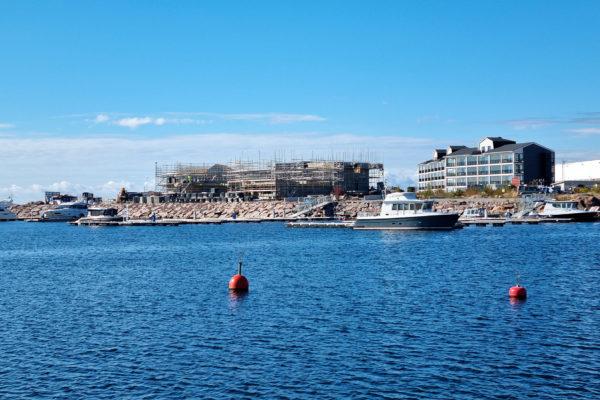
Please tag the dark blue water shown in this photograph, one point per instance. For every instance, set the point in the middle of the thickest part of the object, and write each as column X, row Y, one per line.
column 145, row 312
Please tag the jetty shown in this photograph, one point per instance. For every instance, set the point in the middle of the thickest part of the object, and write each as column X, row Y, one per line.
column 320, row 224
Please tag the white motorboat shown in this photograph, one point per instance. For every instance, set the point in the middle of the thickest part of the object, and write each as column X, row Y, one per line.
column 403, row 211
column 101, row 215
column 567, row 210
column 5, row 213
column 65, row 212
column 474, row 213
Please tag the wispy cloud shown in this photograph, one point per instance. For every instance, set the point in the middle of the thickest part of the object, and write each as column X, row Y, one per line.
column 272, row 118
column 4, row 125
column 135, row 122
column 585, row 131
column 586, row 118
column 100, row 118
column 530, row 123
column 199, row 118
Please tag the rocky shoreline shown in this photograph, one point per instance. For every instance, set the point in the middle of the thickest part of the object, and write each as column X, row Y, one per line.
column 343, row 208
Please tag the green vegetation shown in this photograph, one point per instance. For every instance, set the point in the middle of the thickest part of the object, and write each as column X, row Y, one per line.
column 504, row 192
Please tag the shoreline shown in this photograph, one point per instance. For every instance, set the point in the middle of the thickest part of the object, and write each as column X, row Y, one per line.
column 278, row 209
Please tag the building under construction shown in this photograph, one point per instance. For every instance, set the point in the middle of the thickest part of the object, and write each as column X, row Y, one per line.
column 268, row 181
column 190, row 182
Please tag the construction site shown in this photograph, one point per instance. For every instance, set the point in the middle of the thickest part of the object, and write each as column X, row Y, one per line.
column 272, row 180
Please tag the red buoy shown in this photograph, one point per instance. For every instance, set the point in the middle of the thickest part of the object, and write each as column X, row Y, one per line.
column 238, row 282
column 517, row 292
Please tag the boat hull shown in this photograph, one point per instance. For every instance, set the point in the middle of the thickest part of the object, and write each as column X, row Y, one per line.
column 418, row 222
column 584, row 216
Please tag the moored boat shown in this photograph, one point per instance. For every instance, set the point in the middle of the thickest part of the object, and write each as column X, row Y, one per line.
column 474, row 213
column 101, row 216
column 5, row 213
column 403, row 211
column 65, row 212
column 567, row 210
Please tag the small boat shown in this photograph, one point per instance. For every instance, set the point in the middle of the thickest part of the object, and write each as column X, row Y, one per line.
column 474, row 213
column 403, row 211
column 65, row 212
column 567, row 210
column 101, row 216
column 5, row 213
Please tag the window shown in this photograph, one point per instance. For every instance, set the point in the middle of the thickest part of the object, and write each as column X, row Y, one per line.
column 519, row 157
column 451, row 172
column 472, row 171
column 418, row 206
column 472, row 160
column 483, row 170
column 451, row 161
column 461, row 171
column 484, row 159
column 495, row 159
column 483, row 180
column 394, row 206
column 461, row 160
column 507, row 157
column 495, row 169
column 472, row 181
column 507, row 169
column 411, row 206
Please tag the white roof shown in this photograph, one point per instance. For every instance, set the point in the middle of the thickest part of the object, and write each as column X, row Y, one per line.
column 404, row 196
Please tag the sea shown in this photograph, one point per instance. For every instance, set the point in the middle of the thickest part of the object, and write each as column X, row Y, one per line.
column 145, row 312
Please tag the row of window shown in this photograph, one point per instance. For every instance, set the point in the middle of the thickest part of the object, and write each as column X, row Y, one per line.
column 494, row 158
column 485, row 170
column 459, row 161
column 480, row 181
column 432, row 185
column 412, row 206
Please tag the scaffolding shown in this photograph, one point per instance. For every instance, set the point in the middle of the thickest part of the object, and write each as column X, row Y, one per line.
column 251, row 180
column 190, row 180
column 268, row 180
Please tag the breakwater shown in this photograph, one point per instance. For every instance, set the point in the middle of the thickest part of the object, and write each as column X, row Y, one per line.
column 344, row 208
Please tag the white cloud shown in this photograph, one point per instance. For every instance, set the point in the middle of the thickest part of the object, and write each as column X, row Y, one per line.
column 185, row 118
column 100, row 118
column 4, row 125
column 585, row 131
column 134, row 122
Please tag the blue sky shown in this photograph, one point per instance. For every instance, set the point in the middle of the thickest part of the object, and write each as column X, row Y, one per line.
column 92, row 94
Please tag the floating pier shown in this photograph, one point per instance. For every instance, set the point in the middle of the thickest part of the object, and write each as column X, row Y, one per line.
column 320, row 224
column 498, row 222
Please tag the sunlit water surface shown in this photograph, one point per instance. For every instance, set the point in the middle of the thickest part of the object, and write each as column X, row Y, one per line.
column 145, row 312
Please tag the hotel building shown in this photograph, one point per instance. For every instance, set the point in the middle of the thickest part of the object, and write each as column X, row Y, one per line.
column 496, row 162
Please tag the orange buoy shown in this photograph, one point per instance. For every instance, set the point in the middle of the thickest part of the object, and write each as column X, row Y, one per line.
column 517, row 292
column 238, row 282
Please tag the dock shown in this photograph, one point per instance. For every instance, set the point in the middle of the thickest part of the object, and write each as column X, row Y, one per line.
column 498, row 222
column 320, row 224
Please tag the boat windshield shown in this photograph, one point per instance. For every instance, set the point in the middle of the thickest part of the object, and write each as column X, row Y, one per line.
column 412, row 206
column 566, row 205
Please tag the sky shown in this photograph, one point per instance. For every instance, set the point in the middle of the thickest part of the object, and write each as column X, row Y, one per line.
column 93, row 94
